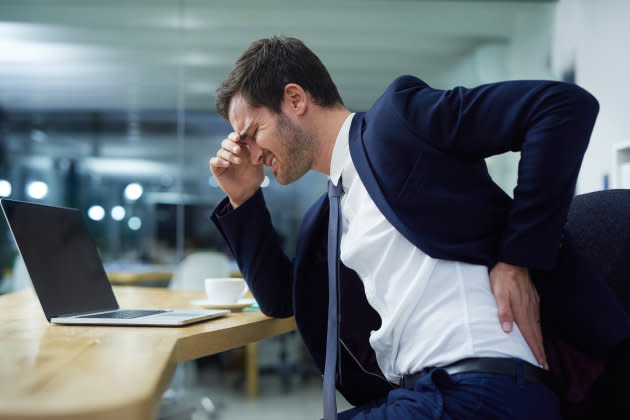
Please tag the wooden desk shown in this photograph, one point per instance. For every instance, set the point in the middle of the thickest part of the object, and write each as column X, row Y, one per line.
column 70, row 372
column 123, row 278
column 132, row 274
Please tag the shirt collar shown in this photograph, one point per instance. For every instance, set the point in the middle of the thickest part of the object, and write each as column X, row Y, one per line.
column 340, row 150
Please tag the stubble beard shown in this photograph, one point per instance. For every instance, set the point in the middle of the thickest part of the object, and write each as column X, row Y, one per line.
column 298, row 151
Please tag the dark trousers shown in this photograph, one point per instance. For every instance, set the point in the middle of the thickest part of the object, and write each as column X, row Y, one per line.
column 438, row 395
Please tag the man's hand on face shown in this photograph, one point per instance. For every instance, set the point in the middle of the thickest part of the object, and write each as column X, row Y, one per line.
column 238, row 177
column 518, row 301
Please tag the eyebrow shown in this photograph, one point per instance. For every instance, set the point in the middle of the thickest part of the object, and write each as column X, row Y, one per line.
column 245, row 132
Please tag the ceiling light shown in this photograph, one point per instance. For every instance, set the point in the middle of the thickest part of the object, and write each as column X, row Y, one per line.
column 134, row 223
column 96, row 213
column 17, row 51
column 118, row 213
column 37, row 189
column 200, row 87
column 5, row 188
column 38, row 136
column 133, row 191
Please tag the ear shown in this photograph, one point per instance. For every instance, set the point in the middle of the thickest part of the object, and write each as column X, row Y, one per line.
column 295, row 99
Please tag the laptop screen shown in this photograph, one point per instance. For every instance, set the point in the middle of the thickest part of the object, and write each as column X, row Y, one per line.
column 60, row 257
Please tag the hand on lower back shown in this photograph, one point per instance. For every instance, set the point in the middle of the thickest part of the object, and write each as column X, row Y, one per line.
column 518, row 301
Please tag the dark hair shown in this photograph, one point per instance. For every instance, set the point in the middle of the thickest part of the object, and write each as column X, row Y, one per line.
column 267, row 66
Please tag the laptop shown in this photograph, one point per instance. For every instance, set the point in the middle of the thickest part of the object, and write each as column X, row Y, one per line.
column 68, row 275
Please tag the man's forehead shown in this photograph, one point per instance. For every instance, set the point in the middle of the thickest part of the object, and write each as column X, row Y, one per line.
column 240, row 114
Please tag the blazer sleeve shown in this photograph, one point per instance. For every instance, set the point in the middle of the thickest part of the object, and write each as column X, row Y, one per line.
column 255, row 244
column 550, row 123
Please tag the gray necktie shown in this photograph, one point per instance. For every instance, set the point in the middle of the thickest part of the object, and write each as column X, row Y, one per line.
column 332, row 334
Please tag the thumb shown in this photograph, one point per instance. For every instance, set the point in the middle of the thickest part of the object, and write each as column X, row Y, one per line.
column 506, row 317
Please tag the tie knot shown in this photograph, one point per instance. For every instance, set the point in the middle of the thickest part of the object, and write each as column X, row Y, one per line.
column 335, row 191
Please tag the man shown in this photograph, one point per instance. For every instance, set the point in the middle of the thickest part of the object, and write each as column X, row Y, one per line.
column 439, row 315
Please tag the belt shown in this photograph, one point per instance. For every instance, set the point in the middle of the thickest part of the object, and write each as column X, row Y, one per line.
column 494, row 365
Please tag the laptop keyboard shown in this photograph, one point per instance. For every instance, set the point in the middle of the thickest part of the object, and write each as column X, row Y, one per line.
column 125, row 314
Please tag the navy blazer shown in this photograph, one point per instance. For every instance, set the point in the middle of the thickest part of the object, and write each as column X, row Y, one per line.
column 420, row 153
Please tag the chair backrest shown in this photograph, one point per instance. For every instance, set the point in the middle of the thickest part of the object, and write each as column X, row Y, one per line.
column 19, row 279
column 599, row 223
column 196, row 267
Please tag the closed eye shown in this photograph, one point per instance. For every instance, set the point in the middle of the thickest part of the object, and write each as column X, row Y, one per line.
column 249, row 136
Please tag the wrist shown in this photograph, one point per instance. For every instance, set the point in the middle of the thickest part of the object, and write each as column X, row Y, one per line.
column 235, row 202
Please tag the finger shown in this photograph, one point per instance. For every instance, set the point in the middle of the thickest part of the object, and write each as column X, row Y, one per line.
column 528, row 321
column 541, row 356
column 506, row 316
column 532, row 333
column 228, row 156
column 536, row 327
column 231, row 146
column 538, row 337
column 218, row 164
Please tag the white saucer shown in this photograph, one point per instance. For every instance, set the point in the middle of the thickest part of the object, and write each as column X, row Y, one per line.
column 240, row 304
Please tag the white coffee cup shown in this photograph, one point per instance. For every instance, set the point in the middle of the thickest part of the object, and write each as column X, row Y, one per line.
column 225, row 291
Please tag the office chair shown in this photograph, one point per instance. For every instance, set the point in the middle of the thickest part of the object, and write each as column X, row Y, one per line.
column 599, row 223
column 190, row 275
column 18, row 280
column 193, row 269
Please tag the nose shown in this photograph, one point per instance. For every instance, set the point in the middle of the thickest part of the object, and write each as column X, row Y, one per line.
column 256, row 153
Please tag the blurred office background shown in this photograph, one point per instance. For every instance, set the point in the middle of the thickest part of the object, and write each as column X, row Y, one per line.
column 108, row 106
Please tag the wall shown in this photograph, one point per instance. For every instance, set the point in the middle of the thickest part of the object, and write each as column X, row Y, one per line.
column 525, row 55
column 596, row 37
column 586, row 40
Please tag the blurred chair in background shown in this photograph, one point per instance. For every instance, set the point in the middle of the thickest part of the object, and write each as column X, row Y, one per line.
column 19, row 278
column 190, row 275
column 196, row 267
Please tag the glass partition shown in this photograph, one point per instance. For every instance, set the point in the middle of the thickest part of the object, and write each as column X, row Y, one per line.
column 109, row 106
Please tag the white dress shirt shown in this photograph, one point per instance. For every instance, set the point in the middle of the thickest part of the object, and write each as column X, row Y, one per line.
column 433, row 311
